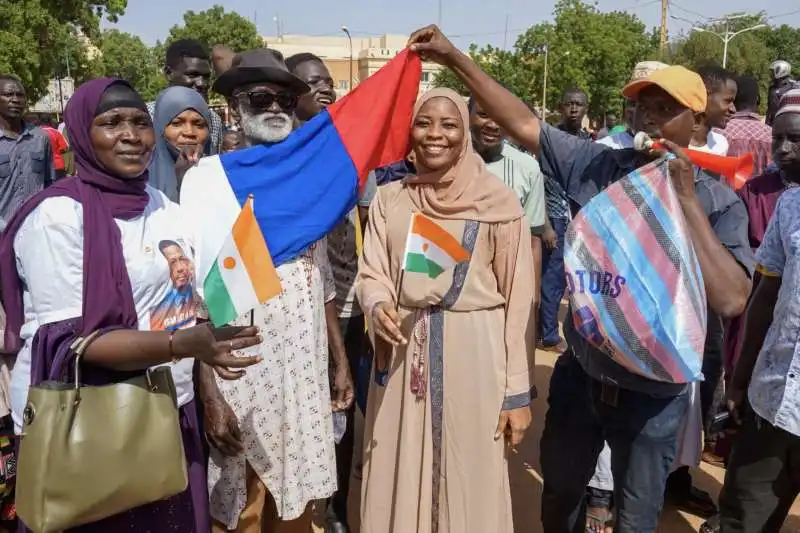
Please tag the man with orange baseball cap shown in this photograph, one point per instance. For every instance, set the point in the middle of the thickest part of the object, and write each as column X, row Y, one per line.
column 591, row 396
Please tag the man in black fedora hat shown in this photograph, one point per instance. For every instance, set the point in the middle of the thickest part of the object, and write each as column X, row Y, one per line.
column 263, row 93
column 272, row 440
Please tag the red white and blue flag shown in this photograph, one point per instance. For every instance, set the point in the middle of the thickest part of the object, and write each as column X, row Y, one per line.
column 304, row 186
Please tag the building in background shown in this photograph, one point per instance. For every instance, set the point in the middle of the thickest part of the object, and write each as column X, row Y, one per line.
column 59, row 91
column 369, row 55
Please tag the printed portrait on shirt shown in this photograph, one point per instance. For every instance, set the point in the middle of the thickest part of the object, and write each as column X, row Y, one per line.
column 178, row 308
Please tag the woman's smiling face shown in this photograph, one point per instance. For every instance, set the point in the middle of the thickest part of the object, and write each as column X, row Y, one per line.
column 437, row 135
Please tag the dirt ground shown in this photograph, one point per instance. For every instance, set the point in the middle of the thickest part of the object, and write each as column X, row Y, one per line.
column 526, row 479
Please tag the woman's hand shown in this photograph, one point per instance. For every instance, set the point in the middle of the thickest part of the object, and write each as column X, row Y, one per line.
column 215, row 346
column 187, row 158
column 386, row 323
column 513, row 424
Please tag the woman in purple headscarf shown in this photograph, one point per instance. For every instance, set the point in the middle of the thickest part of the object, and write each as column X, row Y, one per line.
column 105, row 251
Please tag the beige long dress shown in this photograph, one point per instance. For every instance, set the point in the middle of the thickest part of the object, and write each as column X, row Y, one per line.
column 431, row 464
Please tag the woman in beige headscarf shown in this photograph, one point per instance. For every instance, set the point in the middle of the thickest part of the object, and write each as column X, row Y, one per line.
column 435, row 457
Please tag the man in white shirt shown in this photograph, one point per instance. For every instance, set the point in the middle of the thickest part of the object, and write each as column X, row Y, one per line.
column 722, row 89
column 519, row 171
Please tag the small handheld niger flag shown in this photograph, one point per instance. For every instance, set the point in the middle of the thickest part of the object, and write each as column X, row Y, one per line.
column 243, row 275
column 430, row 249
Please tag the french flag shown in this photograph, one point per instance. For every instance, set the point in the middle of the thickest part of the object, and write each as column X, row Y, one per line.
column 304, row 186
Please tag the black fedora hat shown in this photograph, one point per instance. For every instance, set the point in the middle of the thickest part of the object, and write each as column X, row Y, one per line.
column 258, row 65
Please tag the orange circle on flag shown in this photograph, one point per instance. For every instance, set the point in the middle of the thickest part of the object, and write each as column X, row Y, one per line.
column 425, row 247
column 229, row 263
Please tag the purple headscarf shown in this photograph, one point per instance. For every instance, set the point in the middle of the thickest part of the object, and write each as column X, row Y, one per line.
column 107, row 294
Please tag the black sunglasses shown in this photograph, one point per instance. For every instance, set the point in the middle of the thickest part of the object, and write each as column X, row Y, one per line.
column 264, row 100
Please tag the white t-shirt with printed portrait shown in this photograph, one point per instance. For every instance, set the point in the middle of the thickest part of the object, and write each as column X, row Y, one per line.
column 159, row 259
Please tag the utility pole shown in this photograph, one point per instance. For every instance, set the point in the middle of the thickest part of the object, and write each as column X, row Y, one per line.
column 544, row 83
column 662, row 47
column 505, row 35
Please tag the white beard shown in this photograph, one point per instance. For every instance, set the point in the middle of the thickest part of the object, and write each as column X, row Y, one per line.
column 266, row 127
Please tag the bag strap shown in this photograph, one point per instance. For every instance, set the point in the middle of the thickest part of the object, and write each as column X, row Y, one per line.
column 78, row 347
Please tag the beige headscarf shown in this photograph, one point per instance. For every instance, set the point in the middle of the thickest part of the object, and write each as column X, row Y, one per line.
column 467, row 190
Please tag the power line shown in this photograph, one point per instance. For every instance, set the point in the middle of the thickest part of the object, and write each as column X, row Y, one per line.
column 638, row 6
column 783, row 15
column 696, row 14
column 689, row 11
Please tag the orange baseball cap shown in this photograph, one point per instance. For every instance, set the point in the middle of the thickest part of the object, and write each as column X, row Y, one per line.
column 682, row 84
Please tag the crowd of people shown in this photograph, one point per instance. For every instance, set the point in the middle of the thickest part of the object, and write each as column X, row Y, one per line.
column 94, row 248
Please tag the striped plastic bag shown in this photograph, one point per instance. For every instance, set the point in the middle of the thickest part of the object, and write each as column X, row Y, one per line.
column 634, row 281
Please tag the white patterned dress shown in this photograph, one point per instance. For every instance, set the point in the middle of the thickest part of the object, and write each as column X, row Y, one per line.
column 283, row 403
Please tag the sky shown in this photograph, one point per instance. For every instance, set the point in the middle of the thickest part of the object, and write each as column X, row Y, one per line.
column 466, row 21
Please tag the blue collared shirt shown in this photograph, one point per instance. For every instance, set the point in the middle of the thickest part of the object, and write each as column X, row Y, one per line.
column 774, row 391
column 26, row 167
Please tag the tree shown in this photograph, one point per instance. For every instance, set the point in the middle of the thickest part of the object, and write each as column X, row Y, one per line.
column 126, row 56
column 496, row 62
column 585, row 48
column 215, row 26
column 597, row 51
column 84, row 14
column 33, row 34
column 588, row 49
column 748, row 53
column 784, row 43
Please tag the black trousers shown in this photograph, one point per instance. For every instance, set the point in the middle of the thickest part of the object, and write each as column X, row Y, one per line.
column 762, row 480
column 353, row 333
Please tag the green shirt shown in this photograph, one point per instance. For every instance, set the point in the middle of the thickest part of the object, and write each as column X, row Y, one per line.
column 521, row 173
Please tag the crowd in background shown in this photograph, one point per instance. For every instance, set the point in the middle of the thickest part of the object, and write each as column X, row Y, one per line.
column 94, row 247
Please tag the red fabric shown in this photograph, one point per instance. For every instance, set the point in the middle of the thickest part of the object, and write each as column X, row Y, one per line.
column 59, row 146
column 368, row 117
column 747, row 133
